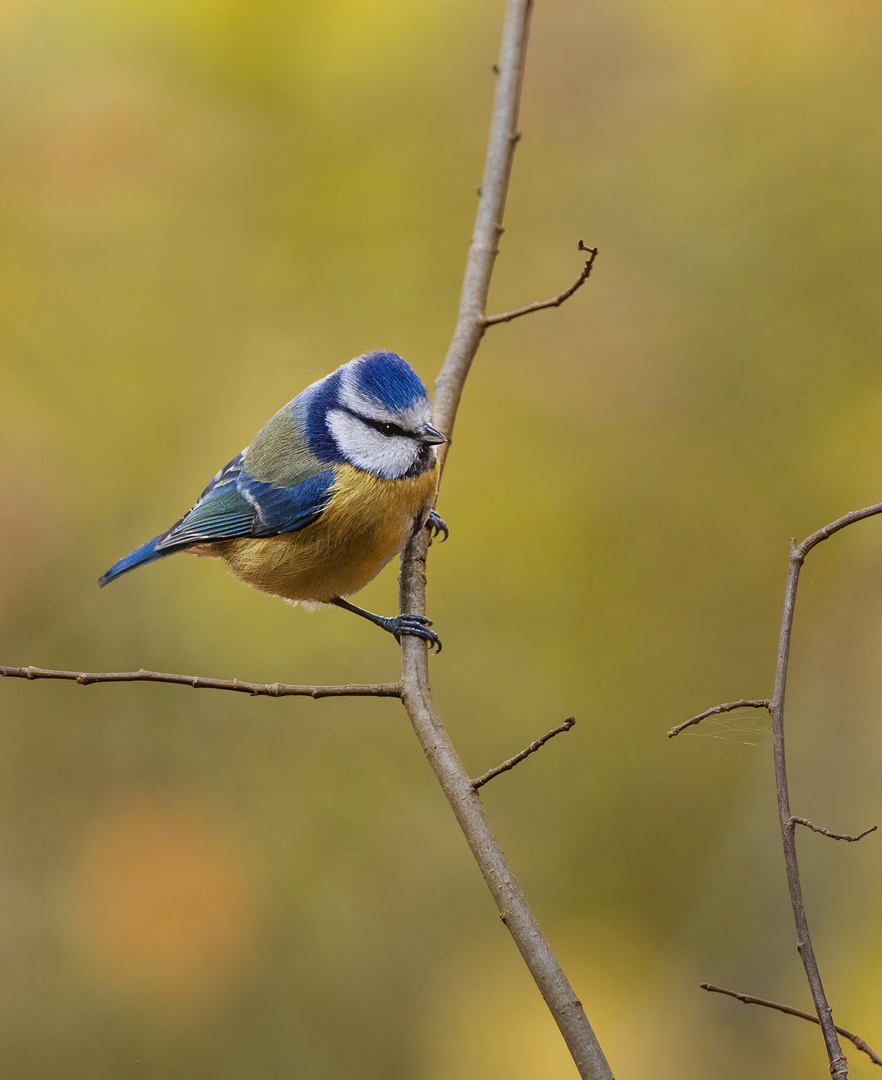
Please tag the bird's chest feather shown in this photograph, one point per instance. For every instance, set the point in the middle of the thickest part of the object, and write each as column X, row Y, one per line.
column 366, row 523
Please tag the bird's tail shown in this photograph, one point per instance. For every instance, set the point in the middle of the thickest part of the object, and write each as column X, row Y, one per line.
column 144, row 554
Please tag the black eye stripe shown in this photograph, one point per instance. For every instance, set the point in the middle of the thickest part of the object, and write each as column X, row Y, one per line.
column 385, row 427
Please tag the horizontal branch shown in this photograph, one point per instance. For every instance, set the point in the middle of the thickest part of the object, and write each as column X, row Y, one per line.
column 833, row 836
column 748, row 1000
column 198, row 682
column 507, row 316
column 730, row 706
column 531, row 749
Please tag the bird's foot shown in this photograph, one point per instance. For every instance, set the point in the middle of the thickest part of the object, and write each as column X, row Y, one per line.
column 412, row 626
column 437, row 525
column 399, row 626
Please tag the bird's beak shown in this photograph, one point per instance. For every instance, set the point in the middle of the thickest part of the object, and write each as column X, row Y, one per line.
column 431, row 435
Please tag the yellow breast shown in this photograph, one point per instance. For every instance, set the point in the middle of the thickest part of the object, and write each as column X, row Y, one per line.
column 367, row 522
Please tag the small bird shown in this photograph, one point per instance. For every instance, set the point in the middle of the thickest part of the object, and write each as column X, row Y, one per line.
column 331, row 488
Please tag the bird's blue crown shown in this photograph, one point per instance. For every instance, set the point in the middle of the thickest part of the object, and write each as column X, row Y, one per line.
column 388, row 379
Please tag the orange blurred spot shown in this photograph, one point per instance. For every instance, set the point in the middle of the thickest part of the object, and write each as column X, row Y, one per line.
column 164, row 901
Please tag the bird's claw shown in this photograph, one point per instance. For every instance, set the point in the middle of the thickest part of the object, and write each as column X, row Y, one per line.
column 414, row 626
column 437, row 525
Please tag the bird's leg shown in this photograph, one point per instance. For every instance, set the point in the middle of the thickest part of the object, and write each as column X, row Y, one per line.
column 436, row 525
column 412, row 625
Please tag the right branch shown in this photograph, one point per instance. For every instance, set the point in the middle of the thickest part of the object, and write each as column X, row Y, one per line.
column 798, row 552
column 786, row 820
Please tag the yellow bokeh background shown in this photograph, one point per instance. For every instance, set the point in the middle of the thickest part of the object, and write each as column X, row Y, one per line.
column 203, row 208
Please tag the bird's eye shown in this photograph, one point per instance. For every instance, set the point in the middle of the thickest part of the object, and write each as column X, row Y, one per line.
column 385, row 427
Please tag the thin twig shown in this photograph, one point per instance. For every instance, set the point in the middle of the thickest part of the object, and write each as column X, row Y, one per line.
column 198, row 682
column 833, row 836
column 730, row 706
column 801, row 550
column 531, row 749
column 465, row 802
column 748, row 1000
column 507, row 316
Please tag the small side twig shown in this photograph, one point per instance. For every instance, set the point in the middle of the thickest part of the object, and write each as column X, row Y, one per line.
column 748, row 1000
column 507, row 316
column 531, row 749
column 801, row 550
column 730, row 706
column 826, row 832
column 198, row 682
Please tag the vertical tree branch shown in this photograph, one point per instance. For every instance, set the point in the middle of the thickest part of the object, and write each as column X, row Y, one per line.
column 417, row 699
column 838, row 1063
column 484, row 247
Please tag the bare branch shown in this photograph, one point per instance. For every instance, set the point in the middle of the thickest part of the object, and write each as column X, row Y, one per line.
column 198, row 682
column 748, row 1000
column 798, row 552
column 838, row 1064
column 531, row 749
column 484, row 247
column 465, row 802
column 833, row 836
column 801, row 550
column 730, row 706
column 787, row 822
column 492, row 320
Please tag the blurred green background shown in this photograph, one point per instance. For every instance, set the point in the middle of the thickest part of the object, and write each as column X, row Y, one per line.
column 206, row 206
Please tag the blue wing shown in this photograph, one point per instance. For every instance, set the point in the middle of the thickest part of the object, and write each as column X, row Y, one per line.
column 235, row 505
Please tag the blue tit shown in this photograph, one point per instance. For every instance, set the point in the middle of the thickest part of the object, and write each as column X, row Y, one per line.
column 331, row 488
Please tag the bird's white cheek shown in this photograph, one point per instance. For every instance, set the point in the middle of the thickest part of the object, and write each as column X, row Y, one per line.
column 367, row 449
